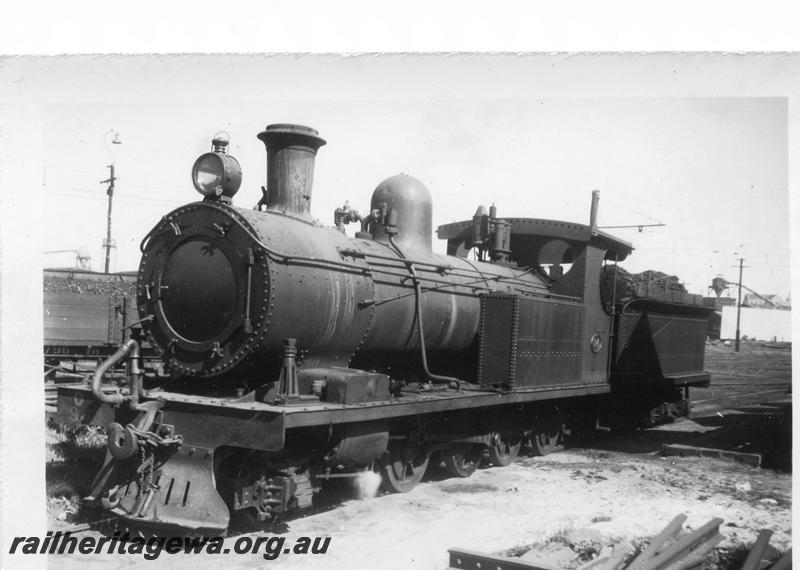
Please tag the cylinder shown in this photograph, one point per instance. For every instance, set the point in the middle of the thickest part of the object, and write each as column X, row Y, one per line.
column 291, row 151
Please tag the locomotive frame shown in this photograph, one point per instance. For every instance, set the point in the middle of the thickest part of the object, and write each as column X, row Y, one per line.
column 299, row 354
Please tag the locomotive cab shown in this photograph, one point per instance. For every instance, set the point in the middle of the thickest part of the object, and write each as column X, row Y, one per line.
column 563, row 339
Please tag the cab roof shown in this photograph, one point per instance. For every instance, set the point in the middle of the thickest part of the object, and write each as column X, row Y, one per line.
column 458, row 232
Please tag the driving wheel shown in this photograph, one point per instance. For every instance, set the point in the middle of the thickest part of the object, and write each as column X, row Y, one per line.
column 403, row 465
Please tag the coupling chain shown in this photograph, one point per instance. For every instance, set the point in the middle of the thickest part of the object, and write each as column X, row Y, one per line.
column 149, row 442
column 145, row 469
column 152, row 439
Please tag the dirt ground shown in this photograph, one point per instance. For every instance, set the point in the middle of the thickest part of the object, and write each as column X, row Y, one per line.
column 565, row 507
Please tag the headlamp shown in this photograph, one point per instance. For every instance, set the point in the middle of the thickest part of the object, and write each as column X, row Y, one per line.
column 216, row 174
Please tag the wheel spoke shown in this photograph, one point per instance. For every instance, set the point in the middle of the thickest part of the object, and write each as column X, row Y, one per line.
column 546, row 442
column 505, row 450
column 462, row 461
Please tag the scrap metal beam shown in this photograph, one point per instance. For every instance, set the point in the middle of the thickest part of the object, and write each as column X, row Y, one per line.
column 758, row 550
column 688, row 547
column 677, row 449
column 471, row 560
column 657, row 544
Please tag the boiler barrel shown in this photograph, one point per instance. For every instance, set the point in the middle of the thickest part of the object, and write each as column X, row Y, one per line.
column 225, row 286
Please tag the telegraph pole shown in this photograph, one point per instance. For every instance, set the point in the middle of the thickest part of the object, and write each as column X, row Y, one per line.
column 739, row 305
column 110, row 192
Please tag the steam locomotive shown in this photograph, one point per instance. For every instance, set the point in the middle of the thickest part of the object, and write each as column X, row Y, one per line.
column 299, row 354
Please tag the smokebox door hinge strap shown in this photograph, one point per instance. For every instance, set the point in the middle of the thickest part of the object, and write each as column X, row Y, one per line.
column 249, row 262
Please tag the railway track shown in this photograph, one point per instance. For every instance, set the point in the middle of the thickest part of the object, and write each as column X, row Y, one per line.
column 721, row 402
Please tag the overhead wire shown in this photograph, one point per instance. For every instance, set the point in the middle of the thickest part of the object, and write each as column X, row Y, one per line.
column 759, row 248
column 716, row 252
column 689, row 236
column 620, row 206
column 100, row 194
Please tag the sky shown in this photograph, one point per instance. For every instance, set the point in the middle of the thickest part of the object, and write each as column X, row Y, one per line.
column 662, row 141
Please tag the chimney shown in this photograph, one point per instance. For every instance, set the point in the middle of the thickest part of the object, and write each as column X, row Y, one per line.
column 291, row 150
